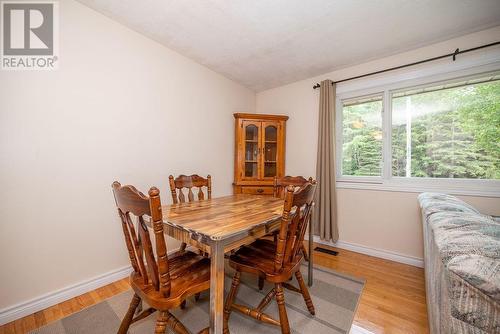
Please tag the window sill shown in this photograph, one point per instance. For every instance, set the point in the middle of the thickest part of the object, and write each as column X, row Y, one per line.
column 481, row 188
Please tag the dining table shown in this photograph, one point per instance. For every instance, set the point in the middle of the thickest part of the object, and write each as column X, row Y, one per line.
column 220, row 225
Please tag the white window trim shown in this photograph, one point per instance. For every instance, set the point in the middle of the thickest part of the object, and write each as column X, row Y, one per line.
column 387, row 182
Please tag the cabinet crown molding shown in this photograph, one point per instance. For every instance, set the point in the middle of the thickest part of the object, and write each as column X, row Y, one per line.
column 261, row 116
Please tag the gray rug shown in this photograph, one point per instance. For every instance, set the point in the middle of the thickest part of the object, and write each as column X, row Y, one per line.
column 335, row 297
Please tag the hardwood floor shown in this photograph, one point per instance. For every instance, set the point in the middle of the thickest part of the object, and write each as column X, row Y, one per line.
column 393, row 299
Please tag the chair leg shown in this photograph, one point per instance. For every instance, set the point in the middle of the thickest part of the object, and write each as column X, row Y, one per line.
column 305, row 292
column 230, row 299
column 280, row 299
column 127, row 319
column 197, row 296
column 311, row 257
column 175, row 324
column 304, row 251
column 182, row 248
column 261, row 283
column 139, row 308
column 167, row 319
column 183, row 304
column 161, row 322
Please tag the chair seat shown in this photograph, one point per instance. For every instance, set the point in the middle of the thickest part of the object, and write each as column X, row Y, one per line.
column 258, row 258
column 189, row 274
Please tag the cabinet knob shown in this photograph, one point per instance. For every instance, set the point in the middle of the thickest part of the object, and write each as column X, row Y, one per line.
column 260, row 191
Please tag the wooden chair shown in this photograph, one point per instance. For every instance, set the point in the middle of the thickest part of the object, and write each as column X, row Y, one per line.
column 280, row 184
column 276, row 262
column 183, row 181
column 163, row 282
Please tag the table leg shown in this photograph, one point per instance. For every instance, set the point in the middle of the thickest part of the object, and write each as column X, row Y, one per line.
column 216, row 288
column 310, row 263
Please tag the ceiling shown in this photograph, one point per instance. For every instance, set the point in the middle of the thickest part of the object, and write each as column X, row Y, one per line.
column 267, row 43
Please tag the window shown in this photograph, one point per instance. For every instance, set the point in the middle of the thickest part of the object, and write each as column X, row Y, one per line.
column 443, row 132
column 433, row 137
column 362, row 137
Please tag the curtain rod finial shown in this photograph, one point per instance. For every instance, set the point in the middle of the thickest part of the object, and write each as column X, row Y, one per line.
column 318, row 85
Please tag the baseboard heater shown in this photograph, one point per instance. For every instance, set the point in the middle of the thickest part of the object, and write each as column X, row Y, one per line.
column 327, row 251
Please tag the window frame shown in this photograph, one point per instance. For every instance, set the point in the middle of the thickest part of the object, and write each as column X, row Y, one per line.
column 387, row 182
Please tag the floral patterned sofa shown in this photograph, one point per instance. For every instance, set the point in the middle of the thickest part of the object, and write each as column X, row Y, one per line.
column 462, row 266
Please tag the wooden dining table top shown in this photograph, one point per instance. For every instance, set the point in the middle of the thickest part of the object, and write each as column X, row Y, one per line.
column 223, row 217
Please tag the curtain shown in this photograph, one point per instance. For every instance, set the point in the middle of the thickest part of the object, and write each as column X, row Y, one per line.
column 325, row 211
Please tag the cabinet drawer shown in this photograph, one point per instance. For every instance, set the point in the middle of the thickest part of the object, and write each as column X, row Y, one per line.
column 257, row 190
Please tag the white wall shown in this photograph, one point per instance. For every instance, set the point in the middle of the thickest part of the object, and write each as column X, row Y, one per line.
column 120, row 107
column 381, row 220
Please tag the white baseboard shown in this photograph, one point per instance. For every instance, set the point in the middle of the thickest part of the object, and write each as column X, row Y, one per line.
column 23, row 309
column 381, row 253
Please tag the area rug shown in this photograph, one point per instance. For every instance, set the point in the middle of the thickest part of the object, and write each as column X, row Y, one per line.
column 335, row 296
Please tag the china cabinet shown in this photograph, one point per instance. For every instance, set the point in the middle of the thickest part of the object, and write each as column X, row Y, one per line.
column 259, row 152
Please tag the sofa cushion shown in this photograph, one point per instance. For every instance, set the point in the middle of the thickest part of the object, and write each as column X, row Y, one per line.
column 436, row 202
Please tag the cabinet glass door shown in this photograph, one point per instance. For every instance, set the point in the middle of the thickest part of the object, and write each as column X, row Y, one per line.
column 251, row 142
column 270, row 149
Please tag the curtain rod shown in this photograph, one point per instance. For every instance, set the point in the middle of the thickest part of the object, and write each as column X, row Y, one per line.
column 453, row 54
